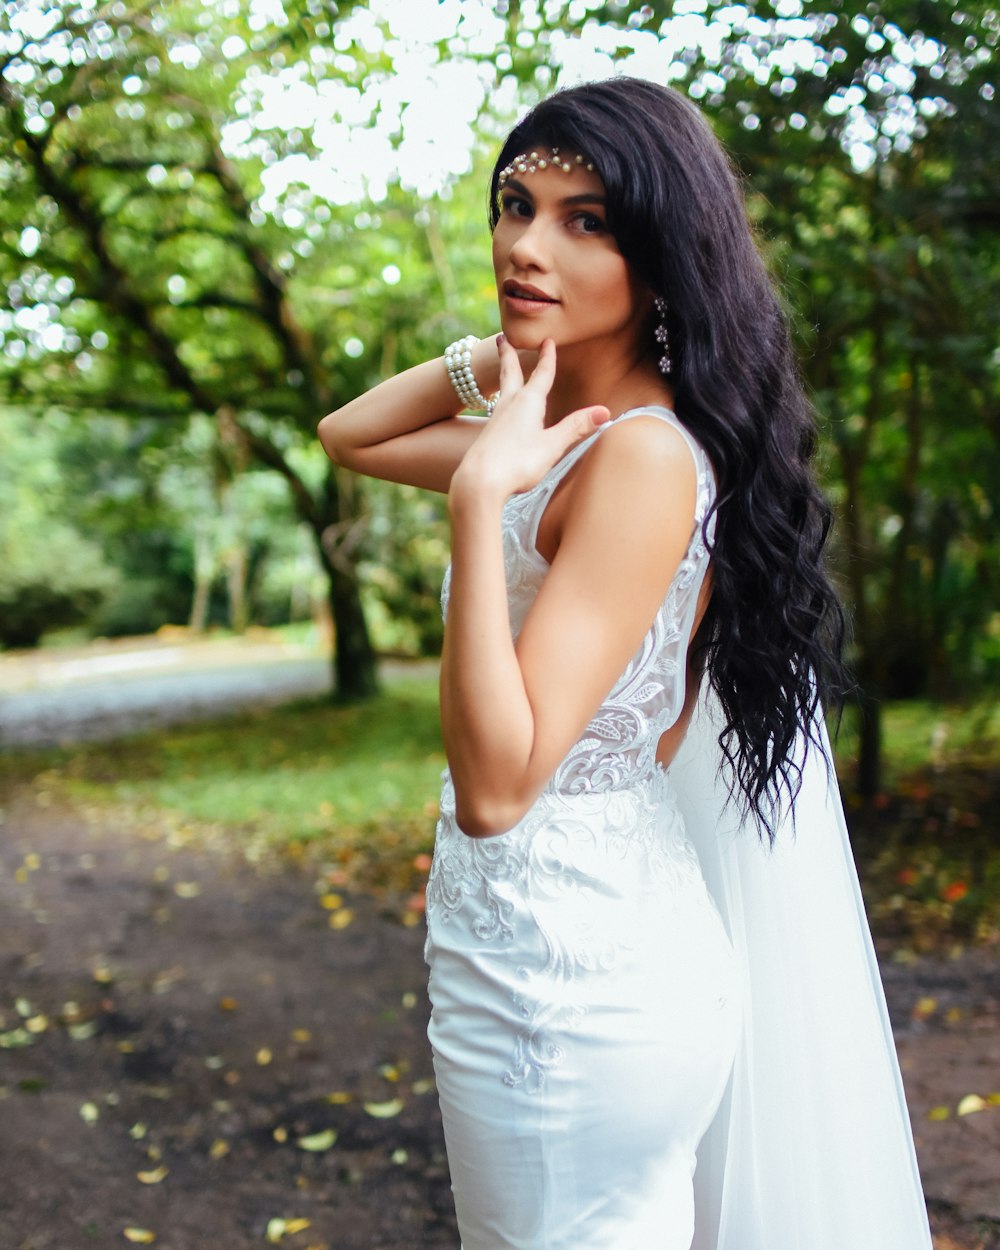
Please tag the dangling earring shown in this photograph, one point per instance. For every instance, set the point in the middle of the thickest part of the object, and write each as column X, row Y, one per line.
column 660, row 334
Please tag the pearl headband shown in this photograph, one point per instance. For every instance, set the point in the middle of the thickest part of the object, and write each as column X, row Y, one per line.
column 531, row 162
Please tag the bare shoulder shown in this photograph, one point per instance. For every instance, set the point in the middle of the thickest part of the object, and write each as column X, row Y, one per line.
column 643, row 453
column 638, row 476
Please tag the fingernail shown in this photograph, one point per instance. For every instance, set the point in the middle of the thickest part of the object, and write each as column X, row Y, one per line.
column 500, row 341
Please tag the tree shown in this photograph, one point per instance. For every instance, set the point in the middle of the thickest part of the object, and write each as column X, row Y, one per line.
column 153, row 284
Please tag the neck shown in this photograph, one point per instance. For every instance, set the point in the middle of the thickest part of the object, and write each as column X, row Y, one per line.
column 619, row 384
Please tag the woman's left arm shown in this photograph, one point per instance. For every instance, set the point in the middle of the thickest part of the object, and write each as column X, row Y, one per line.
column 511, row 712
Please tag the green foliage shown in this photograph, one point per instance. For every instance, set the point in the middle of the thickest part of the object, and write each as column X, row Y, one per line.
column 50, row 578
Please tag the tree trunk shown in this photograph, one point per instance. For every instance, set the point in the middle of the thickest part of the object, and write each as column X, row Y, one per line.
column 236, row 586
column 204, row 575
column 869, row 776
column 355, row 674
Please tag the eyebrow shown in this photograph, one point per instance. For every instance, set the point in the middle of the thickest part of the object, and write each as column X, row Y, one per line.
column 585, row 197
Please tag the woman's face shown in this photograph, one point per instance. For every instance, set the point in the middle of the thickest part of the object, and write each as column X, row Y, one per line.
column 558, row 269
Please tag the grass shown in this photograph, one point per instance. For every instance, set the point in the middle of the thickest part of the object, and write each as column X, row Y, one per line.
column 356, row 787
column 355, row 783
column 918, row 734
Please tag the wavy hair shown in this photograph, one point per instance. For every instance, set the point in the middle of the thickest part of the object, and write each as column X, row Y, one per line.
column 772, row 636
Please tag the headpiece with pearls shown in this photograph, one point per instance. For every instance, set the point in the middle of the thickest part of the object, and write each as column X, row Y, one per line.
column 543, row 158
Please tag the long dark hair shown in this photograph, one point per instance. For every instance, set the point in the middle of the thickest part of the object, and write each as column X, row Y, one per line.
column 772, row 636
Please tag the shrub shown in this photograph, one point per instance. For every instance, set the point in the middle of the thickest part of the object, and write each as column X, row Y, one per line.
column 50, row 578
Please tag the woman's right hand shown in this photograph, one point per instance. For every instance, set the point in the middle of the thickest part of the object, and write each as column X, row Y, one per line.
column 516, row 448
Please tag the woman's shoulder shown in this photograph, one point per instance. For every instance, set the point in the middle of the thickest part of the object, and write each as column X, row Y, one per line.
column 647, row 441
column 631, row 460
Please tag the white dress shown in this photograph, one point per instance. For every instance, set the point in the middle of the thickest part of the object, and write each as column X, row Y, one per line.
column 589, row 994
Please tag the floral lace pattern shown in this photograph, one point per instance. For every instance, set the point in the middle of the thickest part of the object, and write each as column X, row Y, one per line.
column 574, row 887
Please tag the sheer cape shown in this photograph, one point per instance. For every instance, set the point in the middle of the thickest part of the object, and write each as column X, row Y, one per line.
column 812, row 1148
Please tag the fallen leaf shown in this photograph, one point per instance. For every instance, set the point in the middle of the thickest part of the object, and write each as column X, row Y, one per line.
column 280, row 1134
column 341, row 919
column 155, row 1176
column 317, row 1142
column 23, row 1008
column 103, row 975
column 89, row 1113
column 277, row 1228
column 409, row 1000
column 142, row 1236
column 165, row 980
column 389, row 1072
column 338, row 1097
column 218, row 1149
column 32, row 862
column 970, row 1104
column 264, row 1056
column 227, row 1004
column 138, row 1130
column 301, row 1035
column 187, row 889
column 924, row 1008
column 422, row 1087
column 331, row 901
column 384, row 1110
column 82, row 1032
column 399, row 1155
column 15, row 1038
column 939, row 1113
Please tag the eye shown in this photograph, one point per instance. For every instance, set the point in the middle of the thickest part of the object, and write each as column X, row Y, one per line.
column 587, row 223
column 515, row 206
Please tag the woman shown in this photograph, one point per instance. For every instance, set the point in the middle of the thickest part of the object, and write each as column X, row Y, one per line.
column 615, row 967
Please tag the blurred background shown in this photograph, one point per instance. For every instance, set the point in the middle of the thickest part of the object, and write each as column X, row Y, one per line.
column 221, row 219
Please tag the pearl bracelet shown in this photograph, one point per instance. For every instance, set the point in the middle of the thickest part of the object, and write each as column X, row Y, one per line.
column 458, row 362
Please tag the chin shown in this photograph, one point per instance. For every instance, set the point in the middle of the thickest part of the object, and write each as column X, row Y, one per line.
column 525, row 338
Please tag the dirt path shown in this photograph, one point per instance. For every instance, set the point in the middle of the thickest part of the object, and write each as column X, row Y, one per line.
column 191, row 1019
column 176, row 1021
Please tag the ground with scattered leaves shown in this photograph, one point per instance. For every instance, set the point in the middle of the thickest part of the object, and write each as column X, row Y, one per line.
column 195, row 1056
column 201, row 1052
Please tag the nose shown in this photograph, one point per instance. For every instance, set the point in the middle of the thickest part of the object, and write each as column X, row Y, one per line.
column 530, row 249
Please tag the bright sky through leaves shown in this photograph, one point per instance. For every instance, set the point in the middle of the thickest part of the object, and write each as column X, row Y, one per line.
column 419, row 123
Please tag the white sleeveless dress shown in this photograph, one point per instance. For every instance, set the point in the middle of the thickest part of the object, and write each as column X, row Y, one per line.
column 586, row 998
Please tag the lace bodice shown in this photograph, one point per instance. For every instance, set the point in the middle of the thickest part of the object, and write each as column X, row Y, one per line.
column 619, row 744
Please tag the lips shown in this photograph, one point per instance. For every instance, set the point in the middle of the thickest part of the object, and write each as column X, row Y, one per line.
column 525, row 291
